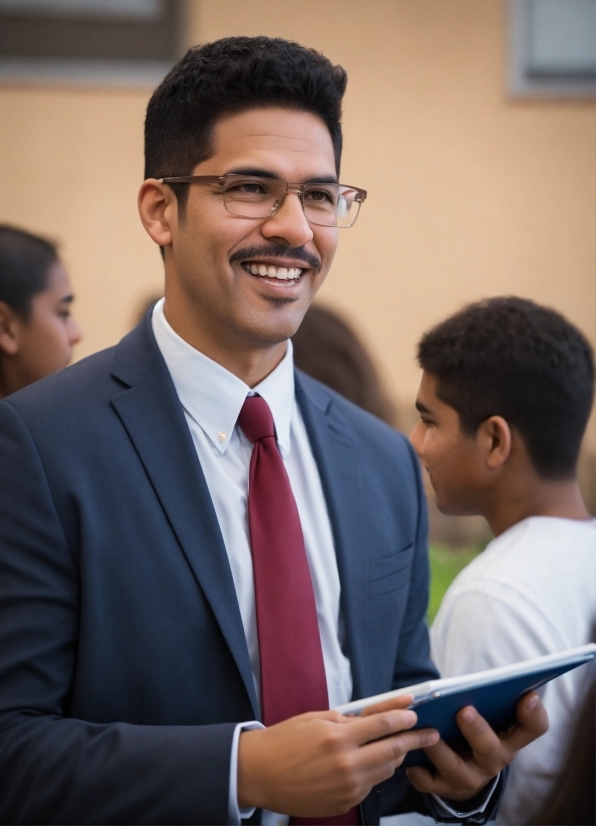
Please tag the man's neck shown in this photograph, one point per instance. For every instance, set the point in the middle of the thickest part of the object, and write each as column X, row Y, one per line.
column 543, row 497
column 249, row 363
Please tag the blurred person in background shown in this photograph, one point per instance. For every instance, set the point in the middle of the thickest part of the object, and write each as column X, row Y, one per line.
column 37, row 330
column 505, row 396
column 328, row 349
column 572, row 802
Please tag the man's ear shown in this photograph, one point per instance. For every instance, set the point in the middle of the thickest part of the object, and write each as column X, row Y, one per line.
column 10, row 325
column 494, row 436
column 158, row 209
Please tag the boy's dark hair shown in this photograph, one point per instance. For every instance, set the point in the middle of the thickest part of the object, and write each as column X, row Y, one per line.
column 513, row 358
column 25, row 261
column 232, row 75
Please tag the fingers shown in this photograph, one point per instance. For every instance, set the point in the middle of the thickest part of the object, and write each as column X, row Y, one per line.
column 400, row 702
column 378, row 760
column 393, row 749
column 487, row 749
column 374, row 726
column 496, row 751
column 459, row 777
column 532, row 715
column 452, row 776
column 532, row 722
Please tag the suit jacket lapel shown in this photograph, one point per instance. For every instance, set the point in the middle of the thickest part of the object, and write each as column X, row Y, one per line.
column 153, row 417
column 335, row 453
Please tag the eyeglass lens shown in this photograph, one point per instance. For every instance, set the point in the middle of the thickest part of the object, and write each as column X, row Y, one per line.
column 324, row 204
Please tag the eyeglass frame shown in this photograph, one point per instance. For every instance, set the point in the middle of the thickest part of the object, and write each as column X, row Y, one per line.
column 298, row 188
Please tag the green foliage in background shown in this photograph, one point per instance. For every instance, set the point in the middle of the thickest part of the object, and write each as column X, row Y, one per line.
column 445, row 564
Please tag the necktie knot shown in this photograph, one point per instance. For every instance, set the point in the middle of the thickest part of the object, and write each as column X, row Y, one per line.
column 255, row 419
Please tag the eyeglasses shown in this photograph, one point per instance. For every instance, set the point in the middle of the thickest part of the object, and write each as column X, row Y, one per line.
column 249, row 196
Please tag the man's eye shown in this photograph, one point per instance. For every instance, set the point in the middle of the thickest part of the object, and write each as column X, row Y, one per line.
column 248, row 189
column 319, row 195
column 64, row 314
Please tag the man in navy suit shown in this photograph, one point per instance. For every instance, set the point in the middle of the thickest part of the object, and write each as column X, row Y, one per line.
column 130, row 684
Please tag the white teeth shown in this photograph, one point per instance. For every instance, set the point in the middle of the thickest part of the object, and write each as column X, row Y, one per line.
column 281, row 273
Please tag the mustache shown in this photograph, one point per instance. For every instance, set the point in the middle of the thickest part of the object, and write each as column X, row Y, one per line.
column 278, row 251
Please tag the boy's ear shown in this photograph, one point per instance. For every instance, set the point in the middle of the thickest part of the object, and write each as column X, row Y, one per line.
column 494, row 436
column 9, row 330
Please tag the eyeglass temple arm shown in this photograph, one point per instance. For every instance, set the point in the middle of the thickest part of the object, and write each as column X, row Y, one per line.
column 189, row 179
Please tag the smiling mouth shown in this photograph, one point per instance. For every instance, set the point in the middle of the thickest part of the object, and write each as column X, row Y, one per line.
column 262, row 270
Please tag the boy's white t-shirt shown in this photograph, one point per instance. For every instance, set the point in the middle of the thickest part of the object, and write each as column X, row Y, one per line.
column 531, row 592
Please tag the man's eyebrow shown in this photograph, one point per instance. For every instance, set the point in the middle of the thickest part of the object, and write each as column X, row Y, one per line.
column 254, row 172
column 267, row 173
column 68, row 299
column 422, row 408
column 323, row 179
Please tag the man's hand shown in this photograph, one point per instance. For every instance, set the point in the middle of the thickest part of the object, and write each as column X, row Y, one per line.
column 460, row 778
column 324, row 763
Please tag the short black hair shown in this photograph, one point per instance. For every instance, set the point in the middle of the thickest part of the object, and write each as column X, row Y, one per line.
column 232, row 75
column 25, row 261
column 511, row 357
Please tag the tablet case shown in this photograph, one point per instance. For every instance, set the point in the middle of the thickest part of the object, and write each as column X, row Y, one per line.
column 494, row 693
column 496, row 702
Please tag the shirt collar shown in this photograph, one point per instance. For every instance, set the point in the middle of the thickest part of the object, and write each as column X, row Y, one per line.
column 213, row 396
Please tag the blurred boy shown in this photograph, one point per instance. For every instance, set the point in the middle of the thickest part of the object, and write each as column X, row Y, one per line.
column 504, row 400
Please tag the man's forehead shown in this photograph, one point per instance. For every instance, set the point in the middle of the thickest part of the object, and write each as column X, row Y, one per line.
column 268, row 138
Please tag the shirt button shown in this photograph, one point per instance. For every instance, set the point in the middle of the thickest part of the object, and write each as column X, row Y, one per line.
column 222, row 436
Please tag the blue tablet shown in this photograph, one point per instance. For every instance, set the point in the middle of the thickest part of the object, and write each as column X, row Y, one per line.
column 493, row 693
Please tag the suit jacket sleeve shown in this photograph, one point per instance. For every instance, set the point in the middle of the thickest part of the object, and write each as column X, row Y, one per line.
column 57, row 769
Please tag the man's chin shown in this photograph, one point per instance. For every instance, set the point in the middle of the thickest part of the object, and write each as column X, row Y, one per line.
column 278, row 322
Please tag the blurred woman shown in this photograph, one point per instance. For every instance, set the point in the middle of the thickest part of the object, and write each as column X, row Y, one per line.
column 37, row 331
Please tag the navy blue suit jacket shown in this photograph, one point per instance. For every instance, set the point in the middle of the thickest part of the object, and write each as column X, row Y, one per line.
column 123, row 661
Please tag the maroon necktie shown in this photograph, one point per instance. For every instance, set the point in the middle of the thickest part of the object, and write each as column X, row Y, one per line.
column 292, row 669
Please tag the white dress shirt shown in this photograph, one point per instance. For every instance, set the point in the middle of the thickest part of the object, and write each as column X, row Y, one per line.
column 212, row 398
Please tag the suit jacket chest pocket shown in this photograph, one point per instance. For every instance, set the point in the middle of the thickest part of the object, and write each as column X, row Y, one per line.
column 388, row 573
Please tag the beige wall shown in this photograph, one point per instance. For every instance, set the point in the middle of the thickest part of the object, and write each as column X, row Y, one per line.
column 470, row 194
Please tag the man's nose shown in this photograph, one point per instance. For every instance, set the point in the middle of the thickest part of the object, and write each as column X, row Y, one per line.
column 289, row 222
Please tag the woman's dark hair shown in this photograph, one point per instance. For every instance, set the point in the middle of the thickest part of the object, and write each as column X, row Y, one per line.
column 231, row 75
column 327, row 349
column 513, row 358
column 25, row 261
